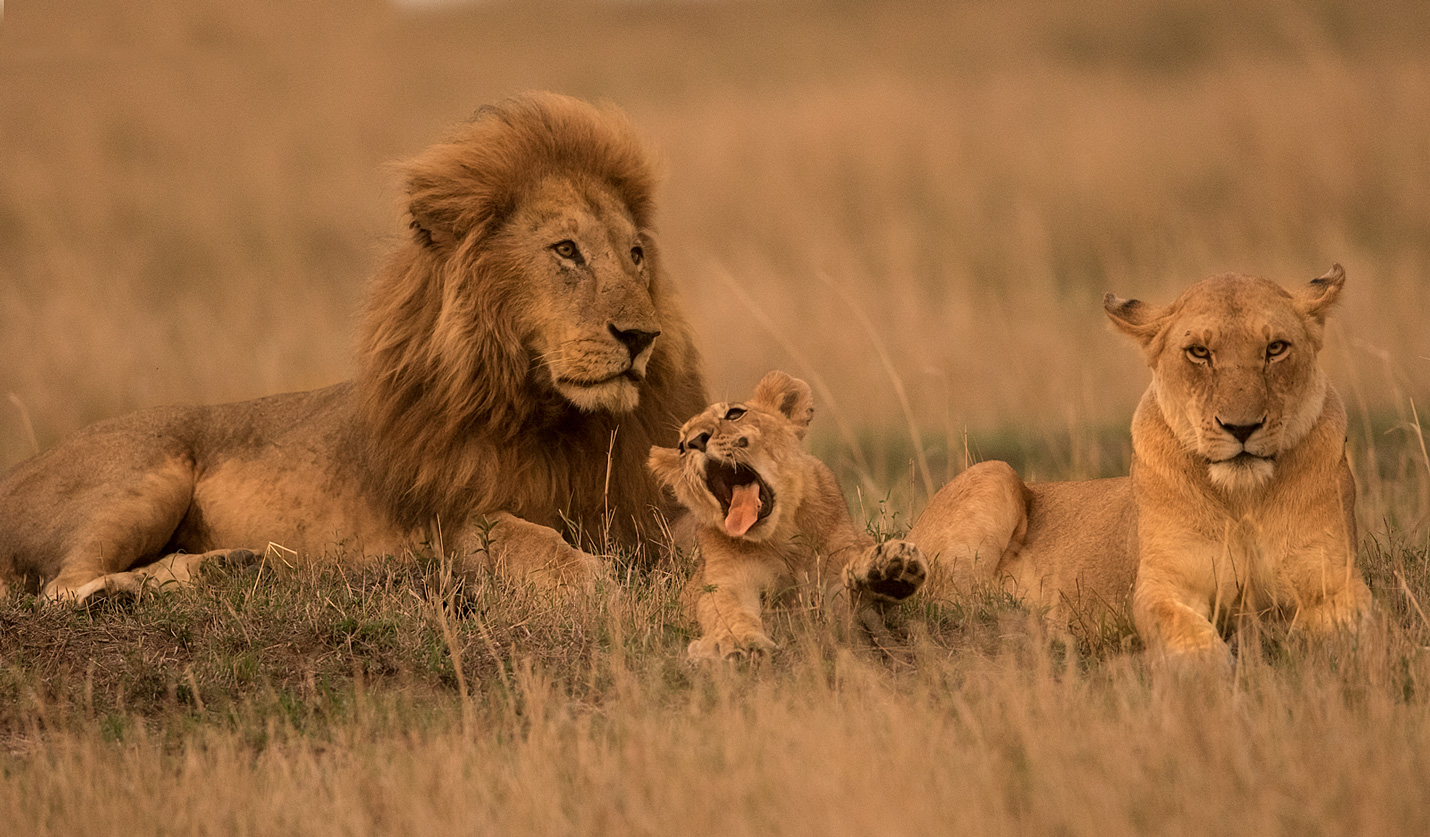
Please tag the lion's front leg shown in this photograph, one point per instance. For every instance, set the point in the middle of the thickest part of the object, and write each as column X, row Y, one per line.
column 525, row 551
column 728, row 611
column 1174, row 622
column 891, row 572
column 1345, row 609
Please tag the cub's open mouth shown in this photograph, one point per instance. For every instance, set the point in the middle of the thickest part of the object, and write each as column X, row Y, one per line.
column 743, row 496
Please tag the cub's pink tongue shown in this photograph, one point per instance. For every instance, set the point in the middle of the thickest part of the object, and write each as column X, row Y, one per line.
column 744, row 509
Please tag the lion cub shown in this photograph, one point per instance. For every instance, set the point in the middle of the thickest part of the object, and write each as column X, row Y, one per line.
column 770, row 516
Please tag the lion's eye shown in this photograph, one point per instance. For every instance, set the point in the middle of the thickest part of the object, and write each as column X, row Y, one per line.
column 1276, row 348
column 734, row 413
column 567, row 249
column 637, row 255
column 1200, row 354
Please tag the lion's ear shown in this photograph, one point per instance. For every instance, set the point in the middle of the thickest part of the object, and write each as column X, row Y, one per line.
column 1134, row 318
column 1316, row 299
column 664, row 465
column 436, row 221
column 786, row 395
column 449, row 195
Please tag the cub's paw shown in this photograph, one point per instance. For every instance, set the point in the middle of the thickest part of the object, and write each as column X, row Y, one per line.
column 893, row 571
column 726, row 646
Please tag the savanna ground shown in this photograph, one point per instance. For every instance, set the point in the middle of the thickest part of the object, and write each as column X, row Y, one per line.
column 915, row 206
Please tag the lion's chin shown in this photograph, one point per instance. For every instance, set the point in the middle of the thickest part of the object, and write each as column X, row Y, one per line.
column 1241, row 473
column 614, row 395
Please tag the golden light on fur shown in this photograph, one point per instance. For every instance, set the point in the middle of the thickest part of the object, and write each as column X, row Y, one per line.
column 520, row 354
column 770, row 516
column 1240, row 501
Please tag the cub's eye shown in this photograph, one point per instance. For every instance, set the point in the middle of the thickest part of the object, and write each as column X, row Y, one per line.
column 1276, row 348
column 1199, row 354
column 681, row 446
column 567, row 249
column 637, row 255
column 734, row 413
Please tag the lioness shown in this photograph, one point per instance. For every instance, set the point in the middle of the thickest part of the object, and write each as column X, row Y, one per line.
column 1240, row 501
column 520, row 353
column 770, row 515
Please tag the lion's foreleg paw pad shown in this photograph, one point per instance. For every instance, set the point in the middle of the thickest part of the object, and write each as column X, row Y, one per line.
column 894, row 570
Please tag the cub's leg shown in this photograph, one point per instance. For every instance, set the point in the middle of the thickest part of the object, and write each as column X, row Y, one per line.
column 890, row 571
column 972, row 522
column 728, row 610
column 526, row 551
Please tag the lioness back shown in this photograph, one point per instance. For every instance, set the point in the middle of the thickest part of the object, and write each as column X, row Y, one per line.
column 1067, row 547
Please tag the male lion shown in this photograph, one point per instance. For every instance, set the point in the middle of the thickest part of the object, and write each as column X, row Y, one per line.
column 1240, row 500
column 770, row 516
column 519, row 355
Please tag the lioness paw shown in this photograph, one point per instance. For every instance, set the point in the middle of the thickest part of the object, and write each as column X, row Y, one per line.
column 893, row 570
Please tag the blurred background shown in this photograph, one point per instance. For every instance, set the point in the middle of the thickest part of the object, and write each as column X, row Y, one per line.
column 915, row 205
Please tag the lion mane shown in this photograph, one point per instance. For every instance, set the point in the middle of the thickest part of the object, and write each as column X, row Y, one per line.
column 519, row 355
column 452, row 419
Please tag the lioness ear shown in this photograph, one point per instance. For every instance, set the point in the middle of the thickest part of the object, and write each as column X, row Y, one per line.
column 1134, row 317
column 787, row 395
column 1315, row 300
column 664, row 465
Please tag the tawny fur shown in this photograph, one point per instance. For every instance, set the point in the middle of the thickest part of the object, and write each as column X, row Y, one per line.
column 804, row 538
column 1210, row 527
column 506, row 387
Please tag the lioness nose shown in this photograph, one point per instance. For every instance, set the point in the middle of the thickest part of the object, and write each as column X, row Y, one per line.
column 633, row 339
column 1241, row 432
column 698, row 442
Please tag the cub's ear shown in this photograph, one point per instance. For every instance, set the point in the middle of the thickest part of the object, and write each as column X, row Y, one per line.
column 1316, row 299
column 1134, row 318
column 788, row 396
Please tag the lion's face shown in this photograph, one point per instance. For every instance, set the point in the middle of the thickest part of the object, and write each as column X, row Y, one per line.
column 739, row 466
column 589, row 320
column 1234, row 369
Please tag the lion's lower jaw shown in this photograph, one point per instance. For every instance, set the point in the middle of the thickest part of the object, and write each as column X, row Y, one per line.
column 1241, row 475
column 617, row 395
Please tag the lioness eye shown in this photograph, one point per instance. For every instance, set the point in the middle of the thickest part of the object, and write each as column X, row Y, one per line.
column 637, row 255
column 1277, row 348
column 1199, row 353
column 567, row 249
column 734, row 413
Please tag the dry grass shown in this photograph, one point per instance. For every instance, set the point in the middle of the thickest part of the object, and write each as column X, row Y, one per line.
column 191, row 195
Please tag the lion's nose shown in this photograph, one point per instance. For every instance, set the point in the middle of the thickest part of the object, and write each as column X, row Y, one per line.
column 1241, row 432
column 698, row 442
column 633, row 339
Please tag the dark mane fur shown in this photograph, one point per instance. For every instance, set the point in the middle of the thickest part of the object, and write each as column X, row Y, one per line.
column 451, row 421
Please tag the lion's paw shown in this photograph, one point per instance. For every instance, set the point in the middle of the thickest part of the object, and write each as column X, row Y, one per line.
column 893, row 570
column 726, row 646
